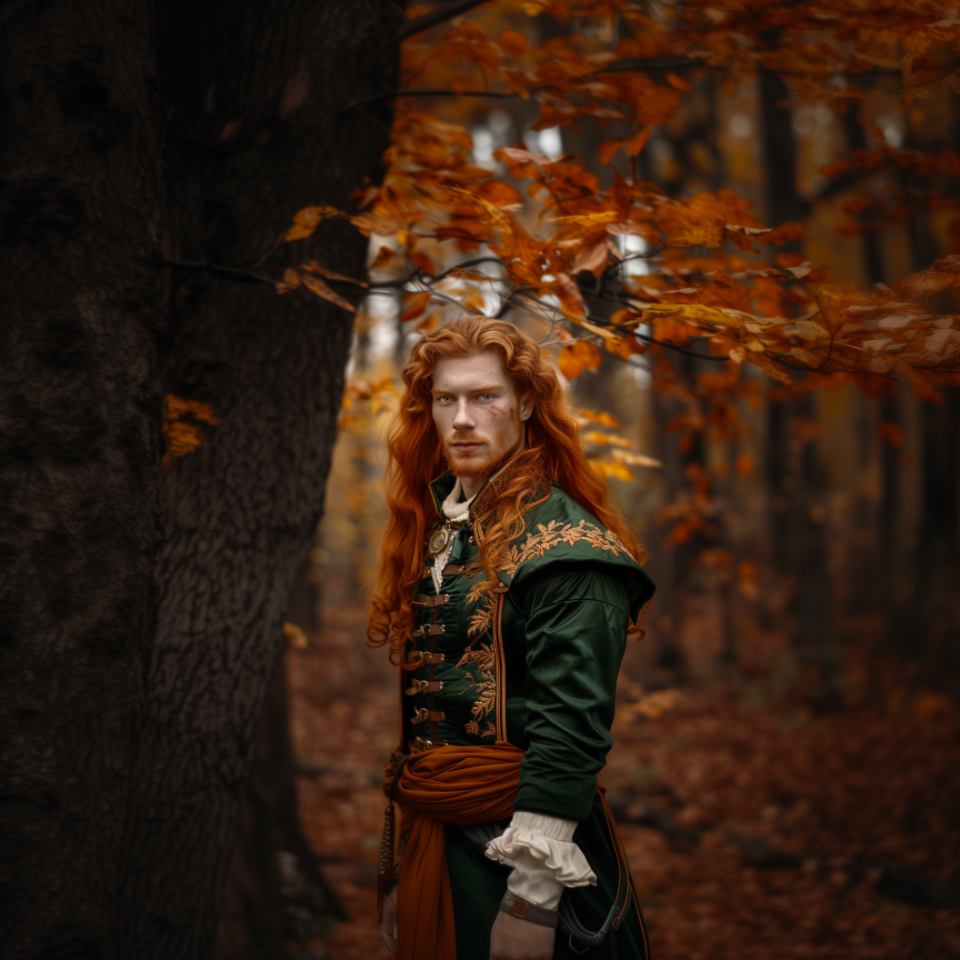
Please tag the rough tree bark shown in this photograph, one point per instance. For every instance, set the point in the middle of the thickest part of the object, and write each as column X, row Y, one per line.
column 260, row 133
column 276, row 894
column 80, row 415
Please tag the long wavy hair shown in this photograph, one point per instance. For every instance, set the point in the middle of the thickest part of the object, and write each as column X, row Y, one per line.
column 415, row 457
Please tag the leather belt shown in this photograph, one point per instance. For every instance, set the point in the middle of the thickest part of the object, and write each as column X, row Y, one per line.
column 429, row 630
column 425, row 600
column 423, row 715
column 423, row 686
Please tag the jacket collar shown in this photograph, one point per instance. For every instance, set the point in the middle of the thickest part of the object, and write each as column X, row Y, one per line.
column 443, row 485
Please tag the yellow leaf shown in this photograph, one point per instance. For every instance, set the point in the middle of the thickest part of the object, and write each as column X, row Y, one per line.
column 599, row 331
column 603, row 418
column 611, row 468
column 307, row 220
column 636, row 459
column 295, row 636
column 291, row 280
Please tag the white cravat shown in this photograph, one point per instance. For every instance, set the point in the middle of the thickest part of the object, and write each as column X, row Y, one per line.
column 456, row 511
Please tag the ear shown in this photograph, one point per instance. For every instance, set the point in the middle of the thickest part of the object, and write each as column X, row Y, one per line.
column 526, row 405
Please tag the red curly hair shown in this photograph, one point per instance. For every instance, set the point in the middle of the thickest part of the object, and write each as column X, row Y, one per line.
column 553, row 454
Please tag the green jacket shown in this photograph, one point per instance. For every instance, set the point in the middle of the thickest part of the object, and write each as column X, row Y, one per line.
column 565, row 600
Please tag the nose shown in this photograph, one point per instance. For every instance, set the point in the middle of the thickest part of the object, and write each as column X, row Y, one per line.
column 463, row 420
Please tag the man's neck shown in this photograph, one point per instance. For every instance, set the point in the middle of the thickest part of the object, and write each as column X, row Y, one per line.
column 471, row 486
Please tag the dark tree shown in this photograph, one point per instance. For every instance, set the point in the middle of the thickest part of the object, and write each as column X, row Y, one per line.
column 259, row 131
column 139, row 627
column 80, row 418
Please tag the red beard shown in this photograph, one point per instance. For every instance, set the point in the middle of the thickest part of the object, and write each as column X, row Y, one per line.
column 485, row 465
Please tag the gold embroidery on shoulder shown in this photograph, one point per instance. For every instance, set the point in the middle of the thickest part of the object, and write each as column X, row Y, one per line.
column 537, row 543
column 550, row 535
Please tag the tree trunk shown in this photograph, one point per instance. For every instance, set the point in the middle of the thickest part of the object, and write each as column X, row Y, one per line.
column 796, row 483
column 261, row 134
column 275, row 894
column 80, row 445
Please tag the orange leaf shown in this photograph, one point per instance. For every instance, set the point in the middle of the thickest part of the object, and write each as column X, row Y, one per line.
column 637, row 142
column 315, row 267
column 628, row 347
column 291, row 280
column 512, row 43
column 892, row 433
column 500, row 194
column 678, row 83
column 320, row 288
column 745, row 465
column 578, row 356
column 835, row 169
column 415, row 304
column 608, row 149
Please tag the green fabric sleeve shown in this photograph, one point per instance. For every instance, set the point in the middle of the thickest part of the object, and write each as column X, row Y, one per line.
column 576, row 625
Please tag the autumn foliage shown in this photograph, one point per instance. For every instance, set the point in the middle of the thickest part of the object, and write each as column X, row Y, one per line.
column 555, row 235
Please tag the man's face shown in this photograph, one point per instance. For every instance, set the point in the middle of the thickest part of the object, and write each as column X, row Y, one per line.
column 477, row 412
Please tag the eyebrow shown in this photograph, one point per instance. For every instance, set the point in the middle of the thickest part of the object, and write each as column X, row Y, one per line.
column 495, row 386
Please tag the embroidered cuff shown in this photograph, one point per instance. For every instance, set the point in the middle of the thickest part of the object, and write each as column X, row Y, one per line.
column 543, row 858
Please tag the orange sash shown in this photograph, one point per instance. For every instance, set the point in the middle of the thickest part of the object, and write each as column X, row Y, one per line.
column 457, row 785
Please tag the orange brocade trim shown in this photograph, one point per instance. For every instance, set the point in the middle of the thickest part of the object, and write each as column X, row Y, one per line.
column 458, row 785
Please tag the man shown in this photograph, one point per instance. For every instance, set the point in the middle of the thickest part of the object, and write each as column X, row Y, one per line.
column 506, row 587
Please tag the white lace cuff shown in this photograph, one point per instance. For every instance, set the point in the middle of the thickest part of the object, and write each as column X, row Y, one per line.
column 543, row 858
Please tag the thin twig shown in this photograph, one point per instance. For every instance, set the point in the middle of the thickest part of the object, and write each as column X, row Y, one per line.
column 390, row 94
column 441, row 14
column 234, row 273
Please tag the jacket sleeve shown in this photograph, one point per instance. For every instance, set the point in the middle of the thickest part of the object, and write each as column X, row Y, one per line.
column 576, row 618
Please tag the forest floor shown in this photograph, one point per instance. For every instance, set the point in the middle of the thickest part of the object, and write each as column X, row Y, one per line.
column 755, row 830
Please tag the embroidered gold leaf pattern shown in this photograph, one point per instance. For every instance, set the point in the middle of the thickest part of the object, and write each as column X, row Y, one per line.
column 550, row 535
column 487, row 686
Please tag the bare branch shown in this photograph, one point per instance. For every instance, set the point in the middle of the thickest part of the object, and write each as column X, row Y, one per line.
column 234, row 273
column 442, row 13
column 427, row 93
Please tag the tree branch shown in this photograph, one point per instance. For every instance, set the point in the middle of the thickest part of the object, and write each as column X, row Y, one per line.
column 442, row 13
column 234, row 273
column 427, row 93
